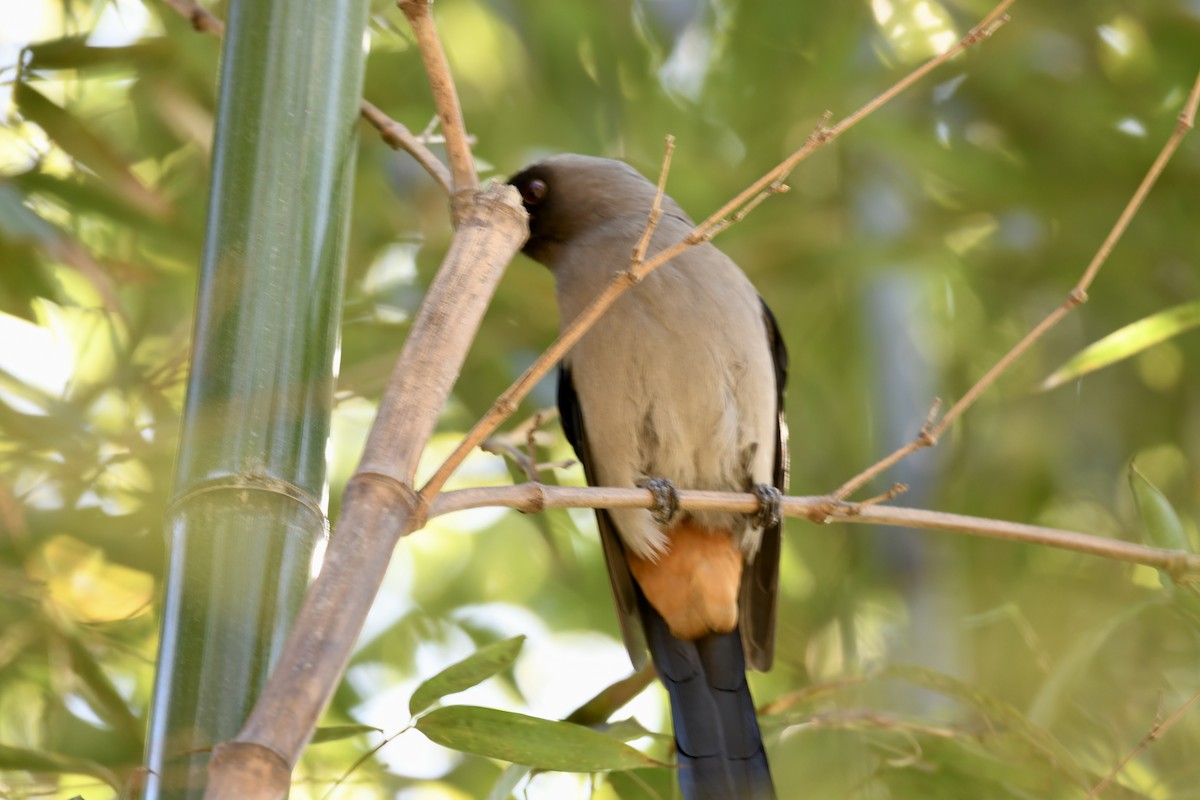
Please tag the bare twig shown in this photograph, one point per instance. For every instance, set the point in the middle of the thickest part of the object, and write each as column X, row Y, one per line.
column 201, row 18
column 498, row 447
column 1156, row 732
column 445, row 96
column 770, row 183
column 1078, row 295
column 394, row 134
column 639, row 252
column 536, row 496
column 399, row 137
column 891, row 494
column 822, row 136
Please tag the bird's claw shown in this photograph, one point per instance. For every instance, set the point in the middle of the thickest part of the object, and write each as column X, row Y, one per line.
column 769, row 513
column 666, row 499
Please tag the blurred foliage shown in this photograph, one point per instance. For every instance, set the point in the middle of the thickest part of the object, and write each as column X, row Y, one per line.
column 909, row 256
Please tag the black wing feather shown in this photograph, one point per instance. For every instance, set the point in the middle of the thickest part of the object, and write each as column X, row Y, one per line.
column 624, row 591
column 760, row 579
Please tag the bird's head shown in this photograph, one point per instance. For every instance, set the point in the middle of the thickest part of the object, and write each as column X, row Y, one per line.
column 567, row 196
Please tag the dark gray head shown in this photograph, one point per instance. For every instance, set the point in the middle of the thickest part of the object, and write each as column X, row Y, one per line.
column 569, row 195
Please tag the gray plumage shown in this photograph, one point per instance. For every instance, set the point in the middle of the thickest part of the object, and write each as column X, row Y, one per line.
column 682, row 379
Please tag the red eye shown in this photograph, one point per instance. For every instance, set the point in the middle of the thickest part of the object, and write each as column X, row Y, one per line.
column 533, row 191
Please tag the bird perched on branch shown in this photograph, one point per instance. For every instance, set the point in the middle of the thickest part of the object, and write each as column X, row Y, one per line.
column 679, row 384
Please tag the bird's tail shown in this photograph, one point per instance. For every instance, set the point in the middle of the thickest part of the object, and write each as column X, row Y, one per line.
column 720, row 749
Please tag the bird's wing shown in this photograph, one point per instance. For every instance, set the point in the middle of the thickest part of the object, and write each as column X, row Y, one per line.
column 624, row 592
column 760, row 580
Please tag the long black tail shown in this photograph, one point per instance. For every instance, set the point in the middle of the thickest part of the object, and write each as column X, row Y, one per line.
column 720, row 749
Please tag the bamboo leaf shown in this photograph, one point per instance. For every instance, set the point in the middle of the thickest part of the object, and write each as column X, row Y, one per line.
column 1159, row 520
column 472, row 670
column 1039, row 739
column 541, row 743
column 1126, row 342
column 1054, row 693
column 106, row 700
column 611, row 698
column 73, row 52
column 333, row 733
column 69, row 133
column 55, row 763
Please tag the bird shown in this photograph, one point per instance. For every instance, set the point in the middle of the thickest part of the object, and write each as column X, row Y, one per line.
column 680, row 384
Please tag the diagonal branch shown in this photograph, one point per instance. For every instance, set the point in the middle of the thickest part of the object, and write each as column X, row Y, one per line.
column 1078, row 296
column 394, row 134
column 728, row 214
column 399, row 137
column 1155, row 733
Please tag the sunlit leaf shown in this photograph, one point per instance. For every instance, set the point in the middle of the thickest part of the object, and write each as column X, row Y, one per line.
column 73, row 52
column 77, row 139
column 80, row 580
column 503, row 735
column 102, row 693
column 1159, row 520
column 472, row 670
column 1126, row 342
column 611, row 698
column 333, row 733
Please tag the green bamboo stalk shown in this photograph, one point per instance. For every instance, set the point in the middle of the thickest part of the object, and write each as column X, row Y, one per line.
column 247, row 519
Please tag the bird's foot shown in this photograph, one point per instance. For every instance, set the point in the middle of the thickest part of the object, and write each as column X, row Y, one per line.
column 769, row 513
column 666, row 499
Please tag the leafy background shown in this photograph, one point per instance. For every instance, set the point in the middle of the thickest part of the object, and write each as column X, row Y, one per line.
column 908, row 256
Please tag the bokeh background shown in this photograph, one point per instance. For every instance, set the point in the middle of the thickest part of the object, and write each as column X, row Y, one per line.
column 907, row 258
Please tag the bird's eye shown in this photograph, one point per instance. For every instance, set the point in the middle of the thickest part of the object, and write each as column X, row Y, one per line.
column 533, row 191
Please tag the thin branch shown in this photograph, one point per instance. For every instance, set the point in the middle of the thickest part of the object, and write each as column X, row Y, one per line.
column 201, row 18
column 394, row 134
column 1155, row 733
column 399, row 137
column 534, row 497
column 770, row 183
column 639, row 252
column 445, row 96
column 822, row 136
column 1078, row 296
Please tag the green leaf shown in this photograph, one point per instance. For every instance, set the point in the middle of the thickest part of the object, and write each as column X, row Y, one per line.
column 610, row 699
column 78, row 140
column 333, row 733
column 541, row 743
column 1128, row 341
column 630, row 729
column 645, row 784
column 1040, row 740
column 1055, row 693
column 105, row 699
column 1159, row 520
column 471, row 671
column 73, row 52
column 45, row 761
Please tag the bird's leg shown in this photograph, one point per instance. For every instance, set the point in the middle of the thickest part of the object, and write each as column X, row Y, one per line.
column 666, row 499
column 769, row 513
